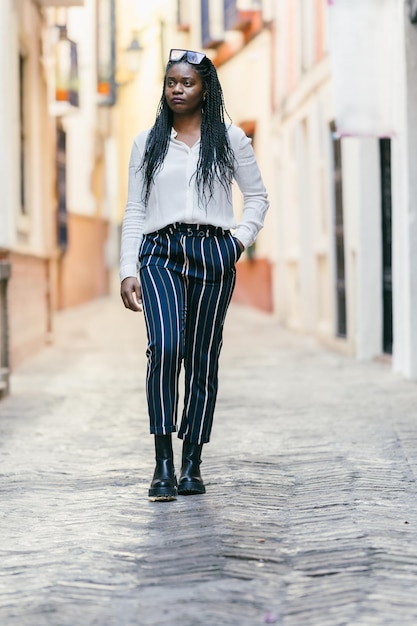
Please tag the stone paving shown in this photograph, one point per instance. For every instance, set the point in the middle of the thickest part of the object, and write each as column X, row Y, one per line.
column 310, row 516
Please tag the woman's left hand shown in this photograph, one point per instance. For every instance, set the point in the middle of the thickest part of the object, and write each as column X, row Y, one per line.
column 241, row 246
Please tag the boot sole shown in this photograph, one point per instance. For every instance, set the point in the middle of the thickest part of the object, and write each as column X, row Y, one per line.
column 191, row 489
column 162, row 498
column 165, row 495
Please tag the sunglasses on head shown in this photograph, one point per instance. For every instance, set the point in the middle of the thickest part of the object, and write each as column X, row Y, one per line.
column 192, row 57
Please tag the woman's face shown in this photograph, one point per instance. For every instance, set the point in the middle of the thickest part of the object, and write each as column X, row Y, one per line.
column 183, row 89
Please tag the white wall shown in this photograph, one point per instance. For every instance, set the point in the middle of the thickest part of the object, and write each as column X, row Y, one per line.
column 363, row 241
column 81, row 126
column 304, row 279
column 21, row 27
column 9, row 183
column 404, row 163
column 305, row 270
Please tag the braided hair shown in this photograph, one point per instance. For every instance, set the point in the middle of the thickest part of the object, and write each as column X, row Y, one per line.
column 216, row 159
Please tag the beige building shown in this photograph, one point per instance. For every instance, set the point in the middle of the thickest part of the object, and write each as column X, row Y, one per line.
column 54, row 218
column 27, row 134
column 88, row 130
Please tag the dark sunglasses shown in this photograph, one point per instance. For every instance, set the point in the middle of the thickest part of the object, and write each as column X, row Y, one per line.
column 192, row 57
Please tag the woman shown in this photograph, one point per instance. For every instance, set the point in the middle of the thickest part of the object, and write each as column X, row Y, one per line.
column 176, row 232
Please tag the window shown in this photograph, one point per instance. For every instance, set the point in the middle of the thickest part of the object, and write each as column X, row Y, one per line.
column 212, row 23
column 183, row 14
column 230, row 14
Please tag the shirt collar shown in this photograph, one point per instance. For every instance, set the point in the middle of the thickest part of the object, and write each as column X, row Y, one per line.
column 174, row 136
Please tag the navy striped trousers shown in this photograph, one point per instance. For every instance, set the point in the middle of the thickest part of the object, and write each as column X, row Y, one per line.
column 187, row 274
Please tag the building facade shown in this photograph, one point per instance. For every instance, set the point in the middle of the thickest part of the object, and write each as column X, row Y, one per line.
column 344, row 157
column 304, row 260
column 26, row 179
column 333, row 135
column 86, row 130
column 56, row 217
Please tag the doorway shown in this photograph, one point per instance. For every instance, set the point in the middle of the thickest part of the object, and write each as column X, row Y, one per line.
column 339, row 236
column 386, row 222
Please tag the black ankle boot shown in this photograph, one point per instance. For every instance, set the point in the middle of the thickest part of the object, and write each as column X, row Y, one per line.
column 164, row 483
column 190, row 480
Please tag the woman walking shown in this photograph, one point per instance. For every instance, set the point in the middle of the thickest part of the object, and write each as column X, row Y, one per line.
column 177, row 234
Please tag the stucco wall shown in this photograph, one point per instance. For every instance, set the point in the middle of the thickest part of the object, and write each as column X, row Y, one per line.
column 82, row 271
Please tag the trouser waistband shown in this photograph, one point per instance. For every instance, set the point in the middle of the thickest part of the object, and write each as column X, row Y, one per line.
column 192, row 230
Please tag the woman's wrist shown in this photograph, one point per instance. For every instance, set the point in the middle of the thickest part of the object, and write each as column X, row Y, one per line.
column 241, row 246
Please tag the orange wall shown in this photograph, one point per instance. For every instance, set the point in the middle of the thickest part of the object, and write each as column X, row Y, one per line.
column 254, row 284
column 28, row 306
column 82, row 271
column 80, row 275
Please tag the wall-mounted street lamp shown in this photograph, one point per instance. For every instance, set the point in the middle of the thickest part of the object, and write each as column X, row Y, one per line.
column 129, row 65
column 133, row 55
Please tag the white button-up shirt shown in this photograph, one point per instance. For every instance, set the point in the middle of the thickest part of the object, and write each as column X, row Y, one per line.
column 174, row 196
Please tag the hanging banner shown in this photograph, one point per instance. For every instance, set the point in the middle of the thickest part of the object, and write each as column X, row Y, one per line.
column 364, row 52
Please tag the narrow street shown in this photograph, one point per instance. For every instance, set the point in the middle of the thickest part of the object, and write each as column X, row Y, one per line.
column 310, row 516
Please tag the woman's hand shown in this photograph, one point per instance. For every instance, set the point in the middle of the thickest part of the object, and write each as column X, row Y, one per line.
column 131, row 293
column 241, row 246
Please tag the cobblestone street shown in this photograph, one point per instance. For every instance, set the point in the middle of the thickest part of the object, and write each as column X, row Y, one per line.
column 310, row 516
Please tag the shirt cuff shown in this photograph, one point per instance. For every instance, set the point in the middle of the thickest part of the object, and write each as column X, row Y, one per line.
column 244, row 237
column 128, row 271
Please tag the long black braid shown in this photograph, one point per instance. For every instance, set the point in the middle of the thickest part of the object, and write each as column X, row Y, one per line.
column 216, row 159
